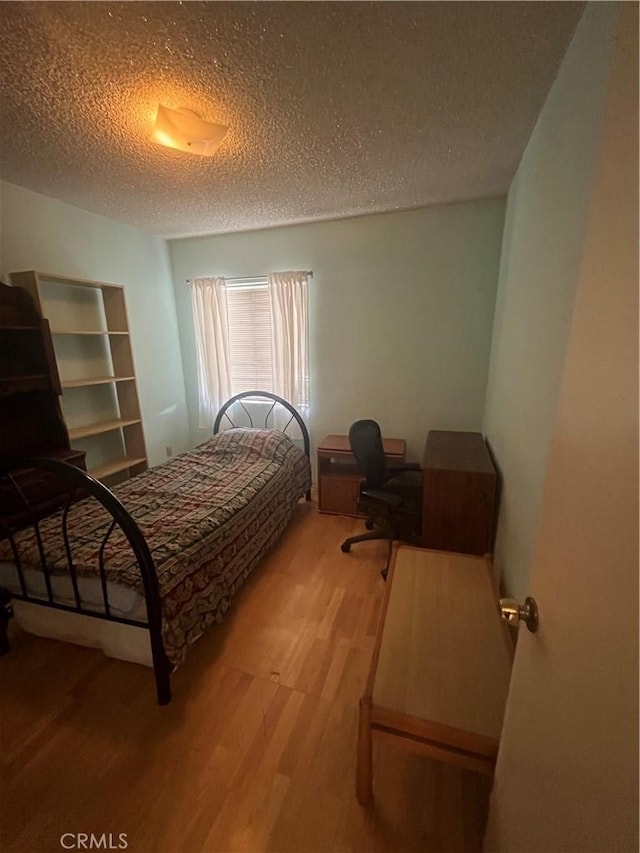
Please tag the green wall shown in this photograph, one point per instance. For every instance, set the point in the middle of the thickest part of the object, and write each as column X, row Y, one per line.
column 41, row 233
column 541, row 255
column 401, row 312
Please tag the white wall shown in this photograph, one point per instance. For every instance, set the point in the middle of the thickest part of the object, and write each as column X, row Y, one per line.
column 401, row 312
column 37, row 232
column 544, row 233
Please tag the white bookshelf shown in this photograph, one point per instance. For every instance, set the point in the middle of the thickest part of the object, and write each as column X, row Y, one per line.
column 92, row 344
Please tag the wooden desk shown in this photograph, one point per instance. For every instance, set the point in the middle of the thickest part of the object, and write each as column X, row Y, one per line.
column 459, row 493
column 440, row 672
column 338, row 477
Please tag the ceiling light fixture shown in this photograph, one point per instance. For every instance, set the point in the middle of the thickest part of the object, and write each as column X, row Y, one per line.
column 184, row 130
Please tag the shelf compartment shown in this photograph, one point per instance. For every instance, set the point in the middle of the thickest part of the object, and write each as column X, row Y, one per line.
column 100, row 472
column 27, row 377
column 25, row 383
column 102, row 332
column 100, row 427
column 100, row 380
column 8, row 327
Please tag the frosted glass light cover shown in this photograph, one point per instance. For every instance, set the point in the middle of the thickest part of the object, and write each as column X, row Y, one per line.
column 184, row 130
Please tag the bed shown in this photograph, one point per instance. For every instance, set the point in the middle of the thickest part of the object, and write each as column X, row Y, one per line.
column 150, row 565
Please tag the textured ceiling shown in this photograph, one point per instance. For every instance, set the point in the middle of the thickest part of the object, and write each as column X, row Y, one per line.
column 334, row 109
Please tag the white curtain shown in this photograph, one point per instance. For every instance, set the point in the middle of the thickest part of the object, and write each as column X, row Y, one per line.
column 210, row 318
column 289, row 301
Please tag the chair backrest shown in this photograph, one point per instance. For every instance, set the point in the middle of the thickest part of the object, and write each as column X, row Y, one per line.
column 365, row 439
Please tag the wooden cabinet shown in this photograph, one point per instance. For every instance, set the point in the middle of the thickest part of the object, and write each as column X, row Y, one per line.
column 31, row 422
column 459, row 493
column 338, row 476
column 441, row 667
column 92, row 345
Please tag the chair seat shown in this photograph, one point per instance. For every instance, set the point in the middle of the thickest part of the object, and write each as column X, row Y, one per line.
column 378, row 495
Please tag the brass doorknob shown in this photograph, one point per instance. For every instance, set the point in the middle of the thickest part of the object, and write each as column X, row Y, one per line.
column 512, row 612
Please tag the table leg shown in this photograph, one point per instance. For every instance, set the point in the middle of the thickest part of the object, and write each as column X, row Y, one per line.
column 364, row 773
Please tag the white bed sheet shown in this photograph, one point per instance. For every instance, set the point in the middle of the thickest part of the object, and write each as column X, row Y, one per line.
column 125, row 642
column 123, row 602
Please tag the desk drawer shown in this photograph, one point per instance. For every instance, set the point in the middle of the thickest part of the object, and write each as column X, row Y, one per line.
column 338, row 494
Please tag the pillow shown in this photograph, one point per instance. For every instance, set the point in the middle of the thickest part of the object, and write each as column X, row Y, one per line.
column 245, row 442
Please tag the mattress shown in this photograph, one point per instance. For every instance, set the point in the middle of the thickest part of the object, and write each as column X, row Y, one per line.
column 123, row 601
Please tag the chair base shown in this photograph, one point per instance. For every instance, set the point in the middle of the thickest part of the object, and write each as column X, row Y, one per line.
column 384, row 533
column 365, row 537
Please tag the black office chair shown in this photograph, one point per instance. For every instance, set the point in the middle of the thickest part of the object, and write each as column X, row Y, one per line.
column 384, row 496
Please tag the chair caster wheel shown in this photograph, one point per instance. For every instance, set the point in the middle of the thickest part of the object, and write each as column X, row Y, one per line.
column 369, row 525
column 345, row 547
column 384, row 574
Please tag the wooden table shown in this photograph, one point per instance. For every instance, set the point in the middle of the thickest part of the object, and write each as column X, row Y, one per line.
column 440, row 672
column 338, row 477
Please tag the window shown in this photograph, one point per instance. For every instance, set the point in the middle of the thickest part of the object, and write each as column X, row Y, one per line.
column 250, row 336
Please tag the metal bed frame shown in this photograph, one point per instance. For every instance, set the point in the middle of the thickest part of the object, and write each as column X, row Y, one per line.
column 77, row 485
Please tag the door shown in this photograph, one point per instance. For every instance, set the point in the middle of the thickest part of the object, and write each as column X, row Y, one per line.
column 567, row 770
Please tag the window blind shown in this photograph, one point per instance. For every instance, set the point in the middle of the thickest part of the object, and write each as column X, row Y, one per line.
column 250, row 341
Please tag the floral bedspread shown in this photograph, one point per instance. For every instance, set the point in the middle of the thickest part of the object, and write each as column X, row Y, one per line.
column 208, row 516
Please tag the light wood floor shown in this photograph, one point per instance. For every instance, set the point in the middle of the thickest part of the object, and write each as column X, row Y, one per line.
column 256, row 750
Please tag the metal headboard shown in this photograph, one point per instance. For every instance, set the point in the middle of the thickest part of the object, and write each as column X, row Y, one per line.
column 224, row 413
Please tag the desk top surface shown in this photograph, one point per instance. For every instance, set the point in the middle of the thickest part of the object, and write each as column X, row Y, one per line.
column 340, row 444
column 445, row 656
column 457, row 451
